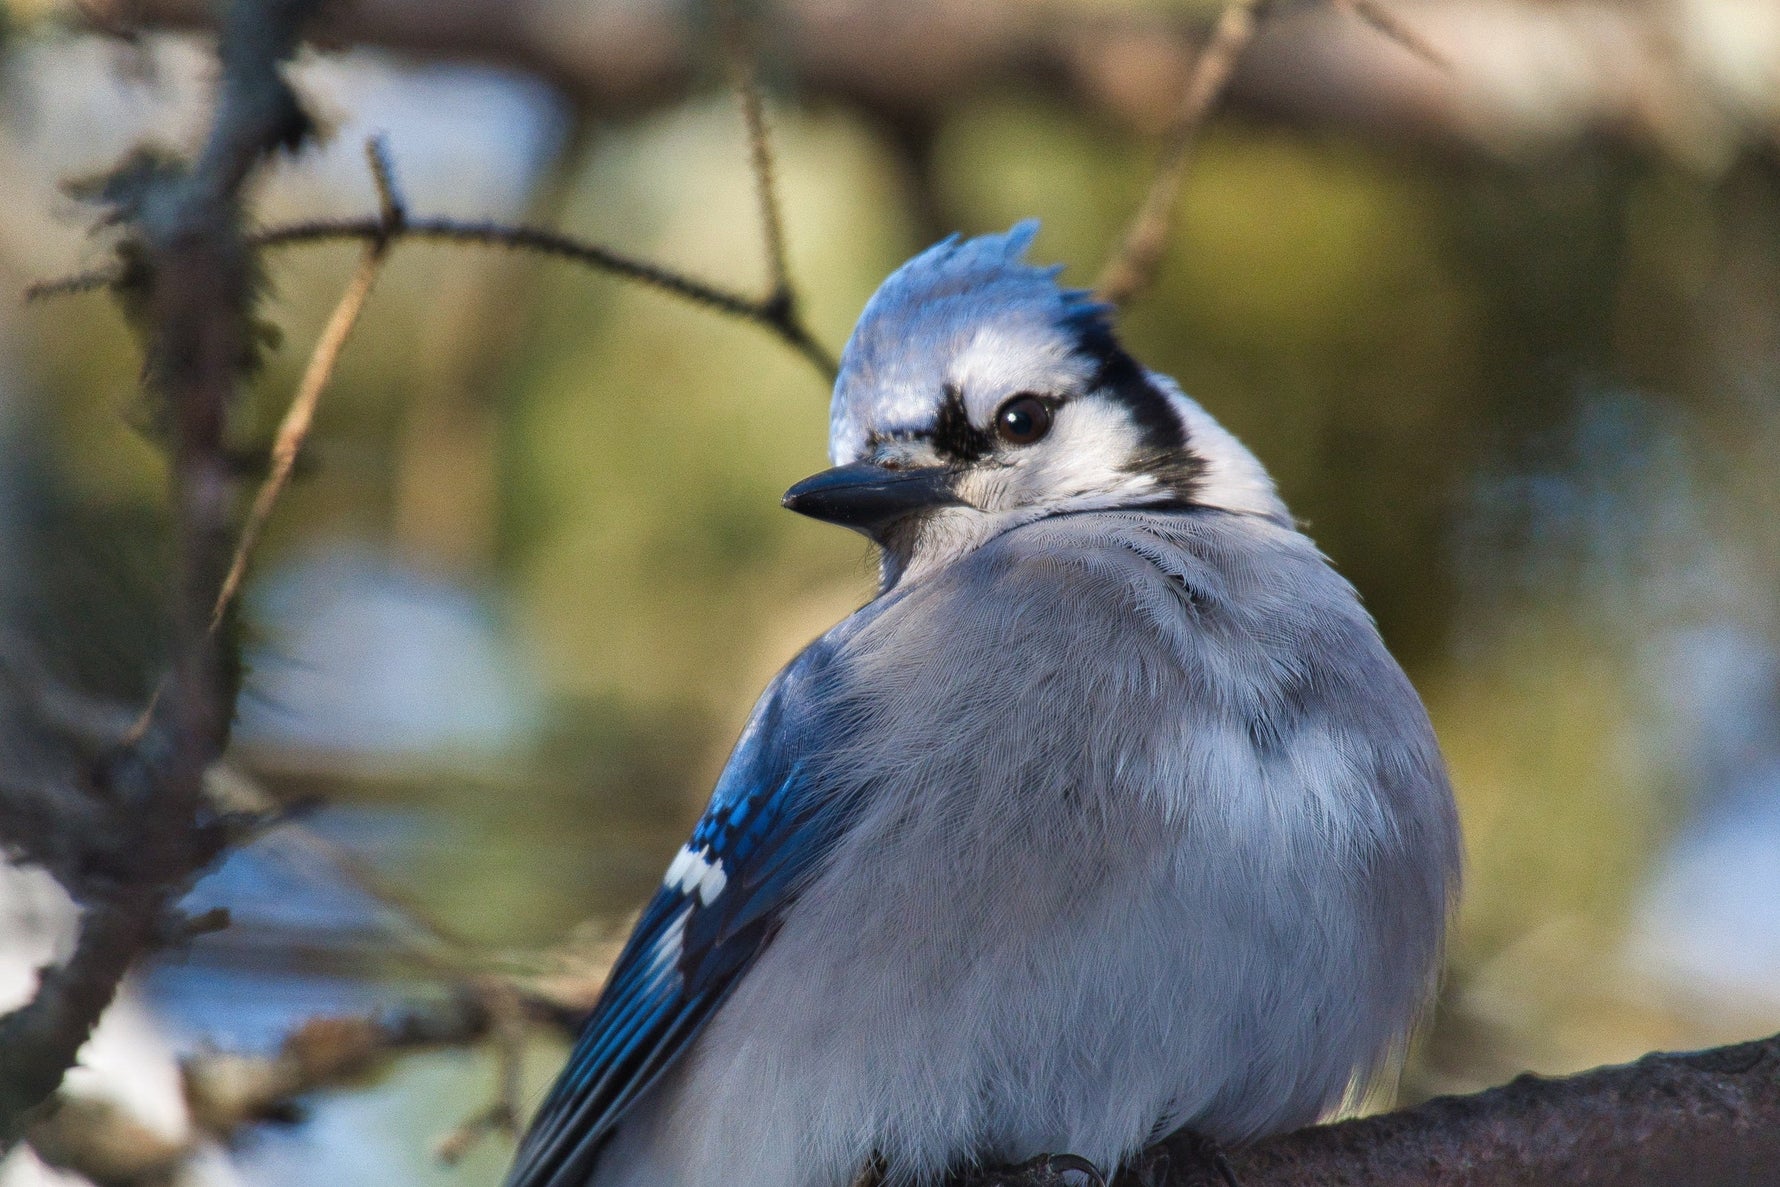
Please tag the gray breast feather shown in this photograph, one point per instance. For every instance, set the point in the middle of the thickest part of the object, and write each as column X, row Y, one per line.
column 1151, row 830
column 1093, row 644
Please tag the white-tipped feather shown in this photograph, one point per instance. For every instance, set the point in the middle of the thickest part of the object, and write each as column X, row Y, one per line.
column 696, row 871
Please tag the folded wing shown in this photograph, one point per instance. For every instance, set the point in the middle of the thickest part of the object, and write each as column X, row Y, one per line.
column 767, row 829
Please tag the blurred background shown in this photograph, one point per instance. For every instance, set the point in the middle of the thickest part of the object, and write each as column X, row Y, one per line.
column 1507, row 334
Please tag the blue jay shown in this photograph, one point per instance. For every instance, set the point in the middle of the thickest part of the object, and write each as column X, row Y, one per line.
column 1110, row 814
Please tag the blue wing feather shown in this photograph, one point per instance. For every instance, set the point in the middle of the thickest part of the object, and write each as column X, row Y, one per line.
column 765, row 830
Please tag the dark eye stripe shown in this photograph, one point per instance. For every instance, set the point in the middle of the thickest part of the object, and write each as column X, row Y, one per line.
column 954, row 436
column 1163, row 450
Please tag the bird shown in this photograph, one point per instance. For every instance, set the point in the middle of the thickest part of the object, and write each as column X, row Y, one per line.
column 1109, row 815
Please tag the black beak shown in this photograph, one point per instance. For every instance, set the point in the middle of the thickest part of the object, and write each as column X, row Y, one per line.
column 870, row 498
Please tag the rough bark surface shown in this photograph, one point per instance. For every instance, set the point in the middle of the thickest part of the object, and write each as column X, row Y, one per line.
column 1701, row 1119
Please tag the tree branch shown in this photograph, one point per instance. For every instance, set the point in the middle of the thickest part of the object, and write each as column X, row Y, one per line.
column 772, row 312
column 196, row 309
column 740, row 50
column 771, row 315
column 1699, row 1119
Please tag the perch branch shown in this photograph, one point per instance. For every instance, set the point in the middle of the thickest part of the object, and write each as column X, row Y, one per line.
column 1701, row 1119
column 1698, row 1119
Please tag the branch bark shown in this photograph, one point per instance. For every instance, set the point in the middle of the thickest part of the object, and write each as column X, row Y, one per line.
column 1701, row 1119
column 196, row 301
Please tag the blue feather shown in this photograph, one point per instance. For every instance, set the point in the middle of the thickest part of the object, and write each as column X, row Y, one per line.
column 766, row 830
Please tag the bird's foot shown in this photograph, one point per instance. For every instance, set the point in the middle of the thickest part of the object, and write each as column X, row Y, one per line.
column 1047, row 1170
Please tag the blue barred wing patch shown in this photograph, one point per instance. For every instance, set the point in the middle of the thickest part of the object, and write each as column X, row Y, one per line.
column 765, row 831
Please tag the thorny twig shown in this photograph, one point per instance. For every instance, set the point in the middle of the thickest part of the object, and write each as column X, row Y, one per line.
column 196, row 307
column 740, row 49
column 771, row 313
column 89, row 281
column 765, row 313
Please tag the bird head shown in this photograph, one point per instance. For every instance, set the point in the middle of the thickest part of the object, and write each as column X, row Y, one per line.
column 977, row 394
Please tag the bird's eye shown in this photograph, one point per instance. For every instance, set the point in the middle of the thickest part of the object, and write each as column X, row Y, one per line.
column 1023, row 420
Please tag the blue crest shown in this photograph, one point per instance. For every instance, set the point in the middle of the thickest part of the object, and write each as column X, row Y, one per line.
column 892, row 372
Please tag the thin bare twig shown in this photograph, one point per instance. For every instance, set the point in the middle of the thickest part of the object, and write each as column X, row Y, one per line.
column 432, row 944
column 507, row 1025
column 521, row 238
column 780, row 320
column 390, row 203
column 741, row 48
column 1132, row 267
column 1133, row 264
column 293, row 431
column 772, row 315
column 1395, row 29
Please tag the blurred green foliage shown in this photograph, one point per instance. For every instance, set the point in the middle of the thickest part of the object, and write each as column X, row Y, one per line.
column 1384, row 327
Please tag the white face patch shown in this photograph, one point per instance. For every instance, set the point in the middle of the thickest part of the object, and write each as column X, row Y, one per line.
column 1003, row 359
column 1094, row 458
column 696, row 871
column 944, row 345
column 1084, row 462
